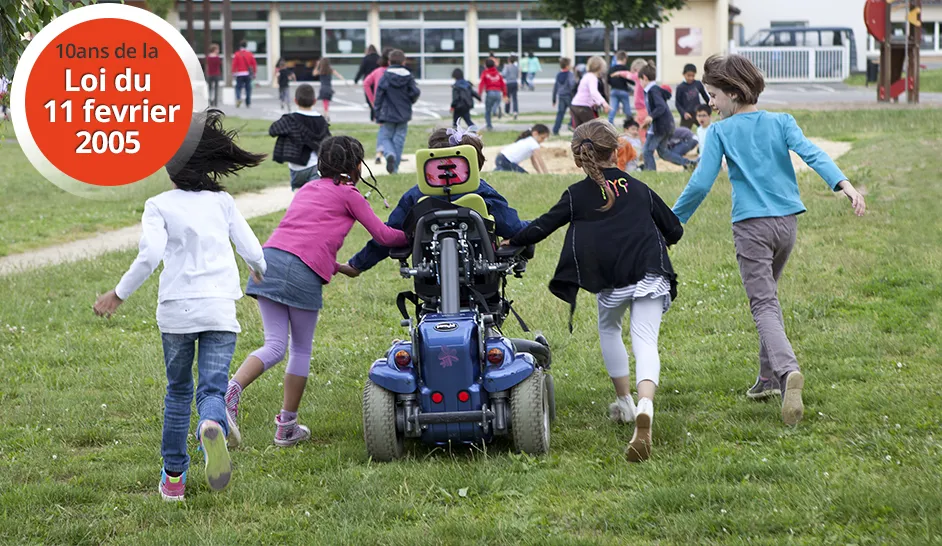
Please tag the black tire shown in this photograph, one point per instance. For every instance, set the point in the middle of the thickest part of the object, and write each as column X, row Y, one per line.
column 529, row 415
column 383, row 441
column 551, row 392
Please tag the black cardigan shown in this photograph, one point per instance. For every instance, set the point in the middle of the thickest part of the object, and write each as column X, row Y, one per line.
column 298, row 135
column 612, row 249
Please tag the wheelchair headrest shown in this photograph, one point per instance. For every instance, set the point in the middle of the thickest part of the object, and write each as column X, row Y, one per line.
column 448, row 171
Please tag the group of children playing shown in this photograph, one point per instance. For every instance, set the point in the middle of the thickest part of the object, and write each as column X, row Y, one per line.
column 323, row 72
column 189, row 229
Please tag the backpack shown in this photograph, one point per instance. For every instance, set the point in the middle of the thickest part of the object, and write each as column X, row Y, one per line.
column 464, row 99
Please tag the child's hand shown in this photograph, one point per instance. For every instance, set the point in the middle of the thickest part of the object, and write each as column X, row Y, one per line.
column 505, row 242
column 687, row 115
column 107, row 303
column 856, row 199
column 256, row 276
column 349, row 270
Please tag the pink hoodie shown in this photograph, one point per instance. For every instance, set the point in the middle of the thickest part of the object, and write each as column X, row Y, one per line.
column 318, row 220
column 370, row 82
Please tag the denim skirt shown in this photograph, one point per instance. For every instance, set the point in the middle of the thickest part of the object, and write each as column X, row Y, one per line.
column 288, row 281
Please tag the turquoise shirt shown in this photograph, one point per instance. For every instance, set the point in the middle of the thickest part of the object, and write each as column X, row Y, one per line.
column 756, row 146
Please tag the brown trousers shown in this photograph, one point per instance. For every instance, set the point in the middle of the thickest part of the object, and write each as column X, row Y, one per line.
column 582, row 114
column 762, row 249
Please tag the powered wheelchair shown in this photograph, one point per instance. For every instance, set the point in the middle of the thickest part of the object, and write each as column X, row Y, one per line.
column 457, row 379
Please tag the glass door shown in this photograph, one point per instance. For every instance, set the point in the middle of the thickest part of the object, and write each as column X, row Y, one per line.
column 301, row 49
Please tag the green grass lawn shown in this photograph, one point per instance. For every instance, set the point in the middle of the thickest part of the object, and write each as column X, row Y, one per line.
column 930, row 81
column 35, row 213
column 81, row 400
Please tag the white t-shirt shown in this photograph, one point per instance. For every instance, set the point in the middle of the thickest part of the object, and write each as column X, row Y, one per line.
column 312, row 161
column 520, row 151
column 190, row 233
column 701, row 135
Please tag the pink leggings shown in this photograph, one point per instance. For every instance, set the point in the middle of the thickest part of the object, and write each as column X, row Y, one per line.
column 277, row 318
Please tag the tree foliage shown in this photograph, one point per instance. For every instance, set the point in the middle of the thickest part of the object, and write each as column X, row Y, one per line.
column 22, row 18
column 160, row 7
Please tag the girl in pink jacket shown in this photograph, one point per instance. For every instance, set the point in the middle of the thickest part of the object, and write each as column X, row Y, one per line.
column 301, row 256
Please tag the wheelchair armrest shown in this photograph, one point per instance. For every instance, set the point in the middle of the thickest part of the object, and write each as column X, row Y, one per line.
column 400, row 253
column 505, row 252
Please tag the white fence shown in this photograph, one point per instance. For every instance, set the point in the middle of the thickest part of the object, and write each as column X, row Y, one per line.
column 799, row 64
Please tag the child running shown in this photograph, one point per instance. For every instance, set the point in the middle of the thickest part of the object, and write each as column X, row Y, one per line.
column 629, row 147
column 285, row 77
column 325, row 74
column 766, row 205
column 462, row 98
column 189, row 229
column 526, row 147
column 302, row 257
column 620, row 254
column 299, row 136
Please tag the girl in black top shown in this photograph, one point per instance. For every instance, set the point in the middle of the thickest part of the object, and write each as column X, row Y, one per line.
column 616, row 248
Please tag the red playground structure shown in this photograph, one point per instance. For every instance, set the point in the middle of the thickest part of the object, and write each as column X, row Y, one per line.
column 896, row 51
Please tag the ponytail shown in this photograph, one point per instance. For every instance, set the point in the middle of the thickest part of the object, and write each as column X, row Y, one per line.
column 539, row 129
column 592, row 146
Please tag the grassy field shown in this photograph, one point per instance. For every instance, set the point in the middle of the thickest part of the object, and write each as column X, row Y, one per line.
column 930, row 81
column 82, row 398
column 34, row 213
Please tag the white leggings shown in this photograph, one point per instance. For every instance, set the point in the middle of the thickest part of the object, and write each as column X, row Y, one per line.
column 645, row 324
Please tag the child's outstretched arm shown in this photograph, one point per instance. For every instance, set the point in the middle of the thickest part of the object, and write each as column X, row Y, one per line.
column 665, row 219
column 507, row 221
column 711, row 159
column 545, row 225
column 150, row 253
column 246, row 243
column 360, row 209
column 822, row 164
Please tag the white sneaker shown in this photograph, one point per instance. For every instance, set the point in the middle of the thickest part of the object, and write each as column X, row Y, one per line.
column 639, row 448
column 622, row 410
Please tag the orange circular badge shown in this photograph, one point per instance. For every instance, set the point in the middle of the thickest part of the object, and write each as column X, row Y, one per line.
column 107, row 99
column 105, row 103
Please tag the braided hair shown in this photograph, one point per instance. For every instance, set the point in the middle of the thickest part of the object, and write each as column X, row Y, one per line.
column 592, row 146
column 339, row 159
column 215, row 156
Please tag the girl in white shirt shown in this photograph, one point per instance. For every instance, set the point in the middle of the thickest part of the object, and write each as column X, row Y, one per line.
column 189, row 229
column 526, row 147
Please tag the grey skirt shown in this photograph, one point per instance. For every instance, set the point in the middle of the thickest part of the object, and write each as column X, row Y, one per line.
column 288, row 281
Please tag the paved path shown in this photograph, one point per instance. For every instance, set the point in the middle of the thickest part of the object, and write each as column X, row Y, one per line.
column 350, row 106
column 250, row 204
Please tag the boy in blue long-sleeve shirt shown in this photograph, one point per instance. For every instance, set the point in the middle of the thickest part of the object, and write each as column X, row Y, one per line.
column 661, row 122
column 507, row 222
column 766, row 203
column 688, row 97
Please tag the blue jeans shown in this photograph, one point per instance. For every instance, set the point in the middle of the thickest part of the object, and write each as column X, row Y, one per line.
column 562, row 108
column 244, row 82
column 684, row 146
column 491, row 101
column 659, row 143
column 512, row 93
column 624, row 98
column 504, row 164
column 392, row 140
column 215, row 355
column 302, row 177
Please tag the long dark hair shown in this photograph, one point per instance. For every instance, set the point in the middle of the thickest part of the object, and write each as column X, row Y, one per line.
column 539, row 129
column 323, row 66
column 216, row 155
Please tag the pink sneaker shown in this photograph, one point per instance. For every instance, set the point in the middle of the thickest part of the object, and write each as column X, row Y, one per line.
column 171, row 489
column 290, row 433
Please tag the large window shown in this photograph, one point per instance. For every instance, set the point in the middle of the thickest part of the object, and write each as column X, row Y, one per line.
column 636, row 39
column 541, row 41
column 409, row 40
column 346, row 41
column 444, row 40
column 433, row 41
column 501, row 41
column 928, row 36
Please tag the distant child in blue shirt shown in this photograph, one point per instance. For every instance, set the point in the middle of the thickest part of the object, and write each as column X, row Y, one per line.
column 765, row 207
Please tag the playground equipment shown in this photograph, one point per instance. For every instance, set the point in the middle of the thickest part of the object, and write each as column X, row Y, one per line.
column 896, row 51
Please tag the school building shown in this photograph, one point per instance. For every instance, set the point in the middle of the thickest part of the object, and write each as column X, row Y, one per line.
column 443, row 35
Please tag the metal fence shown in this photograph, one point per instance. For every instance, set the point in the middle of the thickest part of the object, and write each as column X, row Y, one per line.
column 799, row 64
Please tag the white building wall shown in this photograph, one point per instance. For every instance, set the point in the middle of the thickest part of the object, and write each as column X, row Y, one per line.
column 759, row 14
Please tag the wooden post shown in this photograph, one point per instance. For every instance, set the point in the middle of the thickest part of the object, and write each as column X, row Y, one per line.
column 912, row 71
column 227, row 40
column 189, row 22
column 207, row 31
column 886, row 59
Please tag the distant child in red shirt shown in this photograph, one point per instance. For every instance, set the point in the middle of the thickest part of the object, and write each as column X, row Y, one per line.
column 492, row 86
column 213, row 73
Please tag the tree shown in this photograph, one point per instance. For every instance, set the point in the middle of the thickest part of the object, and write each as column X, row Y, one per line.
column 22, row 18
column 160, row 8
column 628, row 13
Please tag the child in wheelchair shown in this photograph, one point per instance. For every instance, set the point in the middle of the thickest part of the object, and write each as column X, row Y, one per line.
column 506, row 220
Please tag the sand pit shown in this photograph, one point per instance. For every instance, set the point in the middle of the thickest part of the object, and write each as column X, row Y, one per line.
column 558, row 157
